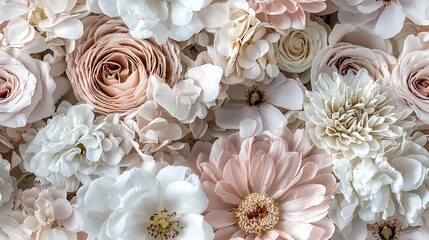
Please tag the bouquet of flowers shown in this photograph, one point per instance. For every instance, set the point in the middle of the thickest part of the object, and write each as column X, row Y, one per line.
column 214, row 119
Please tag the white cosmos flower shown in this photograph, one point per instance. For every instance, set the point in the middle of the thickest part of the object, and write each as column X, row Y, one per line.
column 161, row 19
column 74, row 147
column 391, row 185
column 139, row 205
column 353, row 116
column 253, row 109
column 385, row 16
column 189, row 98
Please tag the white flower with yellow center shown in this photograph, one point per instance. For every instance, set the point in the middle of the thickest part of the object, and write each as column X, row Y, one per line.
column 353, row 116
column 139, row 205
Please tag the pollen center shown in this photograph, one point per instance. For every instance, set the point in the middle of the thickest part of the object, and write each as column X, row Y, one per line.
column 386, row 230
column 257, row 213
column 163, row 226
column 255, row 97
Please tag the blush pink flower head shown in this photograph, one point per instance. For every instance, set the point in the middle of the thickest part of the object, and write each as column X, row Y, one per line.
column 271, row 186
column 285, row 14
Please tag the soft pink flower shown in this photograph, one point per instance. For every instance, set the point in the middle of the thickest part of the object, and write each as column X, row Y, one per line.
column 268, row 187
column 410, row 78
column 109, row 69
column 286, row 14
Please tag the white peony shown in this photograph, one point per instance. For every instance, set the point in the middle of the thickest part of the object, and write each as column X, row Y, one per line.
column 161, row 19
column 189, row 98
column 139, row 205
column 7, row 188
column 353, row 116
column 391, row 185
column 74, row 147
column 243, row 45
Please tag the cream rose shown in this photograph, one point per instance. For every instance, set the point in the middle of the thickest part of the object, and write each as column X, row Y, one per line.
column 352, row 48
column 410, row 78
column 109, row 69
column 296, row 50
column 26, row 88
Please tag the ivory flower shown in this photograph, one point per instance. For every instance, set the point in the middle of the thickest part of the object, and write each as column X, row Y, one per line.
column 253, row 109
column 353, row 116
column 110, row 69
column 271, row 186
column 391, row 185
column 191, row 96
column 161, row 19
column 140, row 205
column 386, row 17
column 243, row 46
column 75, row 148
column 410, row 78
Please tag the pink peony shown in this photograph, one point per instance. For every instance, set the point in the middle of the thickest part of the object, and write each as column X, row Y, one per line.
column 268, row 187
column 286, row 14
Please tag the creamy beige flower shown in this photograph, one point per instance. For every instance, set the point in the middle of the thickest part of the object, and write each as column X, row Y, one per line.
column 296, row 50
column 243, row 46
column 109, row 69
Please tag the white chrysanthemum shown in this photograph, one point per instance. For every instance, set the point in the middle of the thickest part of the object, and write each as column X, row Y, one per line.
column 352, row 116
column 7, row 188
column 139, row 205
column 393, row 184
column 161, row 19
column 243, row 46
column 74, row 147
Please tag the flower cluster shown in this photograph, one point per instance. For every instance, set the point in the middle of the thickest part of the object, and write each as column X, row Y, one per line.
column 214, row 119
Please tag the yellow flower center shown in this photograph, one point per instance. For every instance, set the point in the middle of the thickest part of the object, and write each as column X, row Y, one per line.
column 257, row 213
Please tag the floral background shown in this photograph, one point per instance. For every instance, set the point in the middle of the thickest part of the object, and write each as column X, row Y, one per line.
column 214, row 119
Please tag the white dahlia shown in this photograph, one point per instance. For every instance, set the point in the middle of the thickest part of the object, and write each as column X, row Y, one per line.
column 139, row 205
column 75, row 148
column 391, row 185
column 353, row 116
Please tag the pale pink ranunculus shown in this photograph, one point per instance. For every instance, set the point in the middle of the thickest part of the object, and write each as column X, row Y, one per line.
column 352, row 48
column 109, row 69
column 27, row 91
column 286, row 14
column 410, row 78
column 272, row 186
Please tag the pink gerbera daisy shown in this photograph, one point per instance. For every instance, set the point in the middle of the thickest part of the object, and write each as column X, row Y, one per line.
column 272, row 186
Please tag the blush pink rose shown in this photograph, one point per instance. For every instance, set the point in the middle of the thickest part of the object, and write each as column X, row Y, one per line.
column 27, row 91
column 410, row 78
column 109, row 69
column 286, row 14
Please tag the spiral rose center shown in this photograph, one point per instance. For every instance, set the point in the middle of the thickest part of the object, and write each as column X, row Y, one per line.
column 255, row 97
column 257, row 213
column 5, row 88
column 386, row 230
column 163, row 226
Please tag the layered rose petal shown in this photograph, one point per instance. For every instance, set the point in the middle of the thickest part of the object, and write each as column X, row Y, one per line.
column 110, row 69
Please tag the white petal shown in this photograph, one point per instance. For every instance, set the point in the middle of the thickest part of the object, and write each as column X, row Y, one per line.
column 70, row 28
column 288, row 95
column 183, row 197
column 390, row 21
